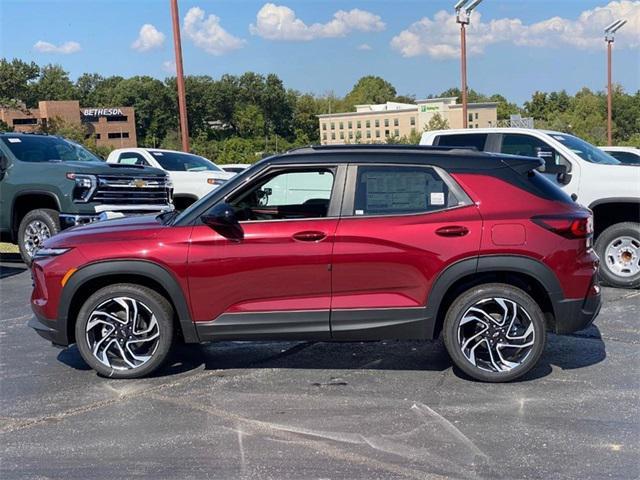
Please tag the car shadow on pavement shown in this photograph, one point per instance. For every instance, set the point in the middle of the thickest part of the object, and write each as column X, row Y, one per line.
column 566, row 352
column 10, row 271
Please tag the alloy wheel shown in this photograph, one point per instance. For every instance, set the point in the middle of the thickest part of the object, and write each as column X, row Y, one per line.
column 496, row 335
column 622, row 256
column 34, row 236
column 122, row 333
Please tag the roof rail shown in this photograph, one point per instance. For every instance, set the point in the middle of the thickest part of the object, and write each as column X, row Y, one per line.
column 378, row 146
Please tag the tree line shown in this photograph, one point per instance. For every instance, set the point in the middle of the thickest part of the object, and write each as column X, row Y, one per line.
column 238, row 118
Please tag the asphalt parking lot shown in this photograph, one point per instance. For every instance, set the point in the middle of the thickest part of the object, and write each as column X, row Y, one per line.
column 316, row 410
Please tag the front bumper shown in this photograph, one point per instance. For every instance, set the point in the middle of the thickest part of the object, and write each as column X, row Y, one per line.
column 49, row 330
column 574, row 315
column 105, row 212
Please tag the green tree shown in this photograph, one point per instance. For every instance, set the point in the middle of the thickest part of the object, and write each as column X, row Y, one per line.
column 370, row 89
column 249, row 121
column 16, row 82
column 53, row 84
column 437, row 122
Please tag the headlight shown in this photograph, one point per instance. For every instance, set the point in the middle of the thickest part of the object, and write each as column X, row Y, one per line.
column 216, row 181
column 84, row 188
column 50, row 252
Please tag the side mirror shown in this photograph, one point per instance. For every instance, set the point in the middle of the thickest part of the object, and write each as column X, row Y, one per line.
column 563, row 177
column 222, row 218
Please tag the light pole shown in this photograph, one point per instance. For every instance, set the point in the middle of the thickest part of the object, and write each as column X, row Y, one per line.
column 182, row 101
column 463, row 16
column 609, row 34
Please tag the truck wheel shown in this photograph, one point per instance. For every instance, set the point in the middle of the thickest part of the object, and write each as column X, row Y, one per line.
column 125, row 330
column 494, row 332
column 34, row 229
column 619, row 250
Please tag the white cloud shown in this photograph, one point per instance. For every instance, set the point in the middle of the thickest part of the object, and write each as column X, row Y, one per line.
column 148, row 38
column 278, row 22
column 208, row 34
column 364, row 47
column 64, row 48
column 440, row 37
column 169, row 66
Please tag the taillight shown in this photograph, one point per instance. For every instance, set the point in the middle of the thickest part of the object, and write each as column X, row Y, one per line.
column 569, row 226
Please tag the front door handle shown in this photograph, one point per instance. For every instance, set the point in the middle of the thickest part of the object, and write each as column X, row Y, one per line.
column 309, row 236
column 452, row 231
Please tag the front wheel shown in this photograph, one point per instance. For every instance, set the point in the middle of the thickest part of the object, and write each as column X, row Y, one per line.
column 125, row 331
column 494, row 332
column 35, row 227
column 619, row 250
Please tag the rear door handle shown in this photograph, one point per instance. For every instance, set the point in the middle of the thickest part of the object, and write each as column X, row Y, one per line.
column 309, row 236
column 452, row 231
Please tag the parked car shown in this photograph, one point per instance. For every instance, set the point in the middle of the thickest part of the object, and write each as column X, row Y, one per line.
column 193, row 176
column 392, row 242
column 48, row 183
column 593, row 178
column 235, row 167
column 625, row 155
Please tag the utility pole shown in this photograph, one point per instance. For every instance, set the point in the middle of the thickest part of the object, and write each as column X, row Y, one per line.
column 609, row 37
column 463, row 17
column 182, row 100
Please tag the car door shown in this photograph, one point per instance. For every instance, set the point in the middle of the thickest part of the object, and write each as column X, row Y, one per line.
column 400, row 226
column 275, row 282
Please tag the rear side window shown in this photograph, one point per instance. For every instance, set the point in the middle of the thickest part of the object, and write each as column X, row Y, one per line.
column 132, row 158
column 396, row 190
column 625, row 157
column 477, row 140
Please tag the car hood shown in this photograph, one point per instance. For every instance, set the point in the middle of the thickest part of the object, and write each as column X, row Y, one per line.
column 103, row 168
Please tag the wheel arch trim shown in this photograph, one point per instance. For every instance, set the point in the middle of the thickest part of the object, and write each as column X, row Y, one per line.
column 143, row 268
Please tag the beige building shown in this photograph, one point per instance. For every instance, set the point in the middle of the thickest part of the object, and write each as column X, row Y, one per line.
column 377, row 123
column 113, row 126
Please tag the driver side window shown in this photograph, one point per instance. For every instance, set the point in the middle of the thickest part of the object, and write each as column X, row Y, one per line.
column 285, row 195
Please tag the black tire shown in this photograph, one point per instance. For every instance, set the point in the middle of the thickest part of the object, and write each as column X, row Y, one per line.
column 608, row 237
column 154, row 302
column 41, row 216
column 488, row 293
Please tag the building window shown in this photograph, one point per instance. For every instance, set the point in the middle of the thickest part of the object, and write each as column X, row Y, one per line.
column 333, row 135
column 396, row 132
column 368, row 123
column 25, row 121
column 324, row 136
column 117, row 118
column 119, row 135
column 324, row 126
column 341, row 135
column 333, row 126
column 377, row 123
column 386, row 122
column 471, row 117
column 377, row 133
column 350, row 125
column 359, row 124
column 341, row 126
column 476, row 116
column 413, row 121
column 396, row 122
column 386, row 132
column 97, row 136
column 350, row 134
column 368, row 133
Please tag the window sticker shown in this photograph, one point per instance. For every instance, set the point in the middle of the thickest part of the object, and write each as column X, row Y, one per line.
column 157, row 154
column 559, row 137
column 395, row 191
column 359, row 212
column 436, row 198
column 14, row 140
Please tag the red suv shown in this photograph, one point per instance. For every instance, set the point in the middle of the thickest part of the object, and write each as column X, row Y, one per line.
column 333, row 243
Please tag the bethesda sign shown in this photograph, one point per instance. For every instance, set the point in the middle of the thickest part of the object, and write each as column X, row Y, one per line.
column 101, row 112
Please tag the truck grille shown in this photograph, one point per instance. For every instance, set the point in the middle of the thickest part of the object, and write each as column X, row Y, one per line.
column 129, row 190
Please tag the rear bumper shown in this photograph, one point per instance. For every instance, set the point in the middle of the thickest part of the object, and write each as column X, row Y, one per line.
column 573, row 315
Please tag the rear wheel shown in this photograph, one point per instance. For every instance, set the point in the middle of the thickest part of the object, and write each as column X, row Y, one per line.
column 619, row 250
column 35, row 227
column 494, row 332
column 125, row 331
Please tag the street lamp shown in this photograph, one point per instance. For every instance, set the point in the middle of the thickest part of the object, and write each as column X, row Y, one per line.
column 609, row 34
column 463, row 17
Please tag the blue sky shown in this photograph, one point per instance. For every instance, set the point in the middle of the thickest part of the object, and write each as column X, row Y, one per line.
column 517, row 47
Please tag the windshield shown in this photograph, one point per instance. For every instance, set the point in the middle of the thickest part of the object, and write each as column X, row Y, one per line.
column 43, row 148
column 585, row 150
column 183, row 162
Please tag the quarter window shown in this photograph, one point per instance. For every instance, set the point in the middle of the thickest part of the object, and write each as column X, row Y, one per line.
column 462, row 140
column 131, row 158
column 396, row 190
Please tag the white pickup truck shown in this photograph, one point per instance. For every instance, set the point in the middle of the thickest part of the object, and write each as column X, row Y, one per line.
column 193, row 176
column 592, row 177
